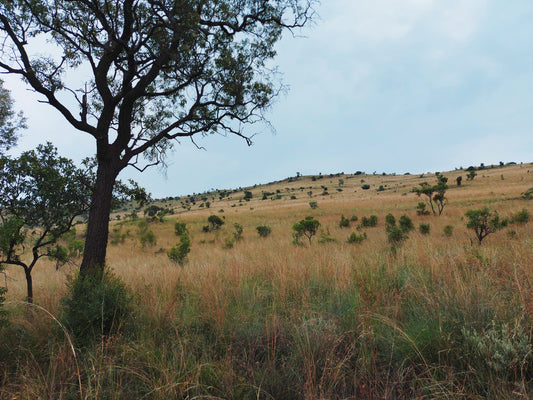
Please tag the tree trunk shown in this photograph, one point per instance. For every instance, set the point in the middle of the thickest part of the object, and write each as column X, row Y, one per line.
column 95, row 251
column 29, row 285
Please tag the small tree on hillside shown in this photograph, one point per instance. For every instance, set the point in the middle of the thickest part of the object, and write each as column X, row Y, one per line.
column 307, row 227
column 484, row 222
column 215, row 222
column 435, row 194
column 471, row 175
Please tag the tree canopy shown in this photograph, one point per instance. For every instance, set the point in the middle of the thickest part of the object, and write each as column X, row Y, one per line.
column 42, row 193
column 149, row 71
column 10, row 121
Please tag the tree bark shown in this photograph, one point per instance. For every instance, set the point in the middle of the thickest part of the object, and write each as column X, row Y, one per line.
column 94, row 255
column 29, row 285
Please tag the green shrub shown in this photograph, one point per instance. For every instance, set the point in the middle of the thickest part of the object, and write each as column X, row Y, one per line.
column 116, row 236
column 390, row 221
column 353, row 218
column 354, row 238
column 229, row 241
column 179, row 254
column 421, row 209
column 263, row 230
column 365, row 186
column 313, row 204
column 148, row 239
column 180, row 228
column 528, row 194
column 448, row 230
column 521, row 217
column 344, row 222
column 96, row 307
column 396, row 236
column 406, row 224
column 371, row 221
column 326, row 238
column 424, row 229
column 238, row 231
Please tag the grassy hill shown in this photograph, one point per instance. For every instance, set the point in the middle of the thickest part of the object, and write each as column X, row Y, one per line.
column 437, row 317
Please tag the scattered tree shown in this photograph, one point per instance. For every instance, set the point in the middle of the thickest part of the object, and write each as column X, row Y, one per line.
column 435, row 193
column 41, row 196
column 459, row 180
column 313, row 204
column 160, row 71
column 215, row 222
column 263, row 230
column 484, row 222
column 307, row 227
column 471, row 175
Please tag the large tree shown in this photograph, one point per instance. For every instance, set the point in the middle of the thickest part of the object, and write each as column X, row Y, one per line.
column 158, row 70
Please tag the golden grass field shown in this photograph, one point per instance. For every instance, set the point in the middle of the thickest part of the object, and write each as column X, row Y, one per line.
column 442, row 317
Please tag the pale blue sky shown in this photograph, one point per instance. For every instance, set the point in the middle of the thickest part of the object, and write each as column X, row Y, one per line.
column 383, row 85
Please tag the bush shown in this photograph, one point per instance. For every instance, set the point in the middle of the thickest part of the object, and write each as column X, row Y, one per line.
column 215, row 222
column 521, row 217
column 370, row 221
column 238, row 231
column 390, row 221
column 448, row 230
column 344, row 222
column 313, row 204
column 365, row 186
column 405, row 223
column 229, row 242
column 179, row 254
column 421, row 209
column 354, row 238
column 180, row 228
column 95, row 307
column 396, row 236
column 148, row 239
column 528, row 194
column 263, row 230
column 424, row 229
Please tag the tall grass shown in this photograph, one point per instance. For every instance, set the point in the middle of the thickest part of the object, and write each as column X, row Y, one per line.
column 437, row 318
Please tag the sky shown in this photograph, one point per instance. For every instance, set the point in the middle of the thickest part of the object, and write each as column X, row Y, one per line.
column 389, row 86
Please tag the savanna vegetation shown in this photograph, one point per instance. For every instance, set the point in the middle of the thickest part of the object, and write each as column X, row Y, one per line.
column 389, row 303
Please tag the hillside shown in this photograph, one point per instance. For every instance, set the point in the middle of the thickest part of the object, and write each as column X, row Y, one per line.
column 438, row 316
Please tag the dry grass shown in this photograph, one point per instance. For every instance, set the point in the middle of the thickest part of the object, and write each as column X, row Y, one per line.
column 267, row 319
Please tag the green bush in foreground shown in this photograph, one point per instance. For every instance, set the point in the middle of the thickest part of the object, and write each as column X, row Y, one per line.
column 95, row 307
